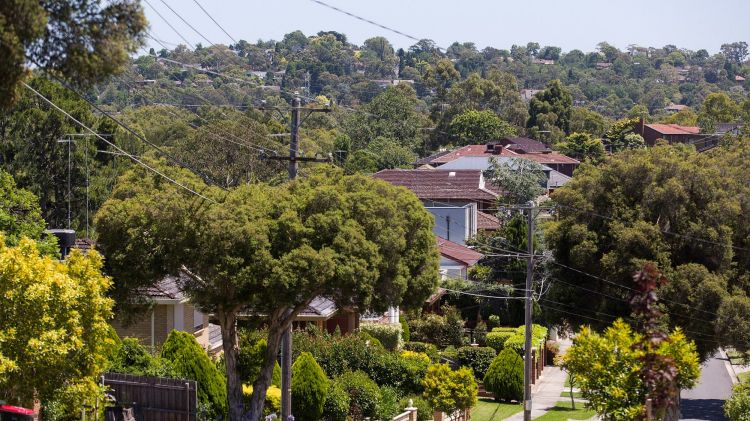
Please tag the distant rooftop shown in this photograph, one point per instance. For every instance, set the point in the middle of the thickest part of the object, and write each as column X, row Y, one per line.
column 438, row 184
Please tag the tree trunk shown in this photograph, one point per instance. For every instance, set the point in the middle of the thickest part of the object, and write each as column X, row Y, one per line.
column 230, row 342
column 261, row 384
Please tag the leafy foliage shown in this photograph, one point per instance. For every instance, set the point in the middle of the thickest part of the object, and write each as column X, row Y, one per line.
column 496, row 340
column 472, row 127
column 133, row 358
column 54, row 335
column 439, row 330
column 388, row 335
column 607, row 368
column 476, row 358
column 737, row 407
column 309, row 388
column 504, row 376
column 364, row 394
column 450, row 391
column 522, row 179
column 20, row 216
column 582, row 146
column 336, row 407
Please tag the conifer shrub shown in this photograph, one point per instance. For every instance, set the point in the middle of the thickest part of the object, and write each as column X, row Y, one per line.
column 191, row 361
column 504, row 377
column 309, row 388
column 405, row 333
column 477, row 358
column 496, row 340
column 336, row 407
column 364, row 394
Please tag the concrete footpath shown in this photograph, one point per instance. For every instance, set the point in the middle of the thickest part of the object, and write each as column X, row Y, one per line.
column 546, row 392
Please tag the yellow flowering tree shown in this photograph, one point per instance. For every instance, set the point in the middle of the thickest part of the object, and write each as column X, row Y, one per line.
column 607, row 368
column 450, row 391
column 54, row 335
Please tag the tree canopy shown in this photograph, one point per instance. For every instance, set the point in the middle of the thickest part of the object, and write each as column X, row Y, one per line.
column 271, row 250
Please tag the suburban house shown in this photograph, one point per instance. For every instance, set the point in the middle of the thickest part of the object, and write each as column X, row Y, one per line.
column 527, row 94
column 323, row 313
column 672, row 133
column 553, row 179
column 675, row 108
column 512, row 147
column 456, row 259
column 170, row 310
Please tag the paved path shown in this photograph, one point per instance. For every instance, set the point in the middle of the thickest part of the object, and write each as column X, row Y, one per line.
column 705, row 401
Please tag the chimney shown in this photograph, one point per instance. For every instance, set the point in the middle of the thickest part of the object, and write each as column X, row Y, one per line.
column 641, row 126
column 498, row 149
column 66, row 239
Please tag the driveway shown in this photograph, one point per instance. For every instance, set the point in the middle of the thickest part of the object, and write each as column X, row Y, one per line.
column 705, row 401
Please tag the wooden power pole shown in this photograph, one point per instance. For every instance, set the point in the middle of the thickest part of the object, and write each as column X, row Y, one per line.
column 294, row 160
column 528, row 310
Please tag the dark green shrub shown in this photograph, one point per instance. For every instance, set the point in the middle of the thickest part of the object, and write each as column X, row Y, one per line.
column 424, row 411
column 423, row 347
column 191, row 362
column 496, row 340
column 480, row 334
column 370, row 340
column 504, row 378
column 252, row 348
column 309, row 388
column 493, row 321
column 389, row 403
column 133, row 358
column 505, row 329
column 389, row 335
column 439, row 330
column 405, row 333
column 336, row 407
column 476, row 358
column 364, row 394
column 450, row 353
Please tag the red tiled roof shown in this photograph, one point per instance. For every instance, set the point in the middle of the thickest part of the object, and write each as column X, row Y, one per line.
column 485, row 221
column 458, row 252
column 470, row 150
column 481, row 150
column 674, row 129
column 439, row 184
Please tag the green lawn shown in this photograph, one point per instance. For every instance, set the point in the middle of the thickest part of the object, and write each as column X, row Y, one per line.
column 487, row 409
column 736, row 358
column 562, row 412
column 744, row 377
column 566, row 394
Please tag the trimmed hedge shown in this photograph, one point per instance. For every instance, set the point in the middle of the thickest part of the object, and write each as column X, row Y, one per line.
column 423, row 347
column 364, row 394
column 476, row 358
column 309, row 388
column 505, row 329
column 389, row 335
column 496, row 340
column 504, row 378
column 516, row 343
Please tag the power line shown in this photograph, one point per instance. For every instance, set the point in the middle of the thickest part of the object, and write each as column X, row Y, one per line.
column 170, row 25
column 186, row 22
column 115, row 146
column 214, row 20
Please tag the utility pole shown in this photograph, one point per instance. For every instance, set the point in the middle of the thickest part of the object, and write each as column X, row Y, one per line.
column 286, row 338
column 528, row 307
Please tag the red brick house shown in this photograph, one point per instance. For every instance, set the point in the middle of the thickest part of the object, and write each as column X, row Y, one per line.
column 672, row 133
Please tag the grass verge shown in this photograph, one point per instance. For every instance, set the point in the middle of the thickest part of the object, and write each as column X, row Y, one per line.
column 562, row 411
column 488, row 410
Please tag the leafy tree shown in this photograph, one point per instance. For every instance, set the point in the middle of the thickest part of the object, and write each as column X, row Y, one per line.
column 471, row 127
column 607, row 368
column 133, row 358
column 504, row 377
column 378, row 57
column 620, row 136
column 309, row 388
column 684, row 117
column 582, row 146
column 737, row 408
column 54, row 334
column 718, row 107
column 84, row 40
column 587, row 121
column 20, row 216
column 190, row 361
column 521, row 179
column 356, row 240
column 555, row 99
column 640, row 206
column 450, row 391
column 736, row 52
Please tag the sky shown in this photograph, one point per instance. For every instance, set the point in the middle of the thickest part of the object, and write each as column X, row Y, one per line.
column 569, row 24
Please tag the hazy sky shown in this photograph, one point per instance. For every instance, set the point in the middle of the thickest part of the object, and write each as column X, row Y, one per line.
column 569, row 24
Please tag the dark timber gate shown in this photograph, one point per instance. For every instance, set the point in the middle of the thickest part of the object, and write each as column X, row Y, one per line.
column 154, row 398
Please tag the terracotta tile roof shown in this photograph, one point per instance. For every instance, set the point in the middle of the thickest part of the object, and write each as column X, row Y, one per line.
column 534, row 154
column 485, row 221
column 458, row 252
column 438, row 184
column 470, row 150
column 548, row 158
column 674, row 129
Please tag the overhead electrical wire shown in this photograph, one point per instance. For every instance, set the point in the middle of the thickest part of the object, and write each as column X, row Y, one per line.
column 214, row 21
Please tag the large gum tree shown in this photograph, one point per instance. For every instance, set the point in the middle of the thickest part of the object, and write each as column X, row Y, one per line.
column 270, row 250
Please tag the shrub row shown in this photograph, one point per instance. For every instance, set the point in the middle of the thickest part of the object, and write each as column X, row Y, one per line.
column 476, row 358
column 439, row 330
column 388, row 335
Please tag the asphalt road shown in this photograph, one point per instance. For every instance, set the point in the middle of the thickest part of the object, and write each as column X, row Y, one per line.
column 705, row 401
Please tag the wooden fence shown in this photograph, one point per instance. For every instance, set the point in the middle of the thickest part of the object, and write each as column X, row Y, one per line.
column 154, row 398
